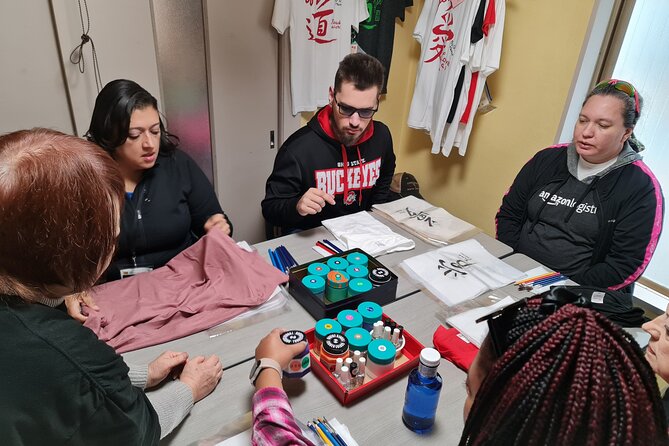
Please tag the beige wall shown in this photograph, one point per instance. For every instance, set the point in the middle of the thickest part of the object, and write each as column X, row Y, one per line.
column 541, row 47
column 32, row 89
column 540, row 52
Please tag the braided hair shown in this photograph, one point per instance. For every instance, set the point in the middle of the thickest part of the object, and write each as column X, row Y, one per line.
column 571, row 378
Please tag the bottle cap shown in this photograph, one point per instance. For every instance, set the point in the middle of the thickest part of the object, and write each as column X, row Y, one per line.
column 357, row 258
column 291, row 337
column 357, row 271
column 379, row 276
column 370, row 311
column 315, row 284
column 358, row 338
column 381, row 351
column 358, row 286
column 326, row 326
column 349, row 319
column 337, row 279
column 337, row 263
column 430, row 357
column 318, row 269
column 335, row 344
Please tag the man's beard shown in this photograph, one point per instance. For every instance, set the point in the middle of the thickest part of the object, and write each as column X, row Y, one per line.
column 342, row 136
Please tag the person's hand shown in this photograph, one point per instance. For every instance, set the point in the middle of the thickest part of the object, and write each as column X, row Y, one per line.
column 313, row 201
column 271, row 346
column 164, row 365
column 217, row 221
column 73, row 302
column 202, row 375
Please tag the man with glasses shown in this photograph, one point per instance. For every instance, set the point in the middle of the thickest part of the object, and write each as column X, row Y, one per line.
column 341, row 162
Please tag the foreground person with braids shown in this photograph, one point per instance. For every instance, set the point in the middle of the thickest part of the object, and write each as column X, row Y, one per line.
column 550, row 374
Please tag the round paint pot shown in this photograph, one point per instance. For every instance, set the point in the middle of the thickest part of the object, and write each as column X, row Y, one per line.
column 337, row 286
column 318, row 269
column 334, row 346
column 357, row 258
column 337, row 263
column 315, row 284
column 323, row 328
column 349, row 319
column 359, row 286
column 379, row 276
column 357, row 271
column 380, row 357
column 371, row 312
column 358, row 339
column 300, row 365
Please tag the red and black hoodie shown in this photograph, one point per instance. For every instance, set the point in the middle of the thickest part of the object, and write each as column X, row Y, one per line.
column 357, row 176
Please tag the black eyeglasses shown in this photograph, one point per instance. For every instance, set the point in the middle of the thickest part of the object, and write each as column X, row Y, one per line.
column 347, row 110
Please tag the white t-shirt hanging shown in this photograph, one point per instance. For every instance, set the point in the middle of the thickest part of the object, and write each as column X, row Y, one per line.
column 444, row 31
column 320, row 37
column 486, row 58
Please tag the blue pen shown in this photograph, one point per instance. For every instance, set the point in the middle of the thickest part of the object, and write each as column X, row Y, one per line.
column 271, row 258
column 284, row 260
column 333, row 246
column 327, row 433
column 279, row 264
column 289, row 255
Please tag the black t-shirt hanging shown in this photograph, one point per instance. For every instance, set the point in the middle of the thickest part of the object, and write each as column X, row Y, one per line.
column 377, row 33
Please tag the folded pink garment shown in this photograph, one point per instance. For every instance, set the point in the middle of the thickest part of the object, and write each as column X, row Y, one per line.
column 454, row 347
column 207, row 284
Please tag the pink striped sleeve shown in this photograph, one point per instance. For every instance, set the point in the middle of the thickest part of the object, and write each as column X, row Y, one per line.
column 273, row 420
column 656, row 230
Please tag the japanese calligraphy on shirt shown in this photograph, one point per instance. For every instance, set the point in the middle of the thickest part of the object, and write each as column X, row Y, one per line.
column 442, row 35
column 322, row 20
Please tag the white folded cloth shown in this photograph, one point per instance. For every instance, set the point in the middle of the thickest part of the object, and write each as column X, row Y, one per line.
column 460, row 272
column 433, row 224
column 466, row 322
column 362, row 231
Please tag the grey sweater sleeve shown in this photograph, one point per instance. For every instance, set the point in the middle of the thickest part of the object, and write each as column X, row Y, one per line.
column 139, row 375
column 172, row 401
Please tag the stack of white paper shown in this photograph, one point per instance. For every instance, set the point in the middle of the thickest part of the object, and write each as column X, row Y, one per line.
column 362, row 231
column 460, row 272
column 433, row 224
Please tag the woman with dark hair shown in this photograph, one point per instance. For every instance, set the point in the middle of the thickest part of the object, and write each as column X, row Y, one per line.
column 60, row 199
column 169, row 201
column 556, row 373
column 591, row 209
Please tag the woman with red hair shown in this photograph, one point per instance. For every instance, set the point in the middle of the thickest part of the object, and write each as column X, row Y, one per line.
column 60, row 201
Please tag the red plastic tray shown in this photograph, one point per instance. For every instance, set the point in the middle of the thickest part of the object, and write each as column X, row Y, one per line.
column 404, row 364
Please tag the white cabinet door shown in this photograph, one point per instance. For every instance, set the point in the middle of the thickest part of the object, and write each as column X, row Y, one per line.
column 242, row 48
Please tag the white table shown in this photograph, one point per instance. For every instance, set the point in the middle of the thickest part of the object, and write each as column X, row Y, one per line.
column 376, row 419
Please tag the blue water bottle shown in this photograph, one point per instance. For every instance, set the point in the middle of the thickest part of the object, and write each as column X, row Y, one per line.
column 422, row 396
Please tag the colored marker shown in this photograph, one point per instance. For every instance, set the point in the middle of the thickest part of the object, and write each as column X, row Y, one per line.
column 321, row 434
column 334, row 432
column 279, row 263
column 333, row 246
column 536, row 278
column 284, row 260
column 326, row 248
column 549, row 280
column 327, row 433
column 289, row 255
column 271, row 258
